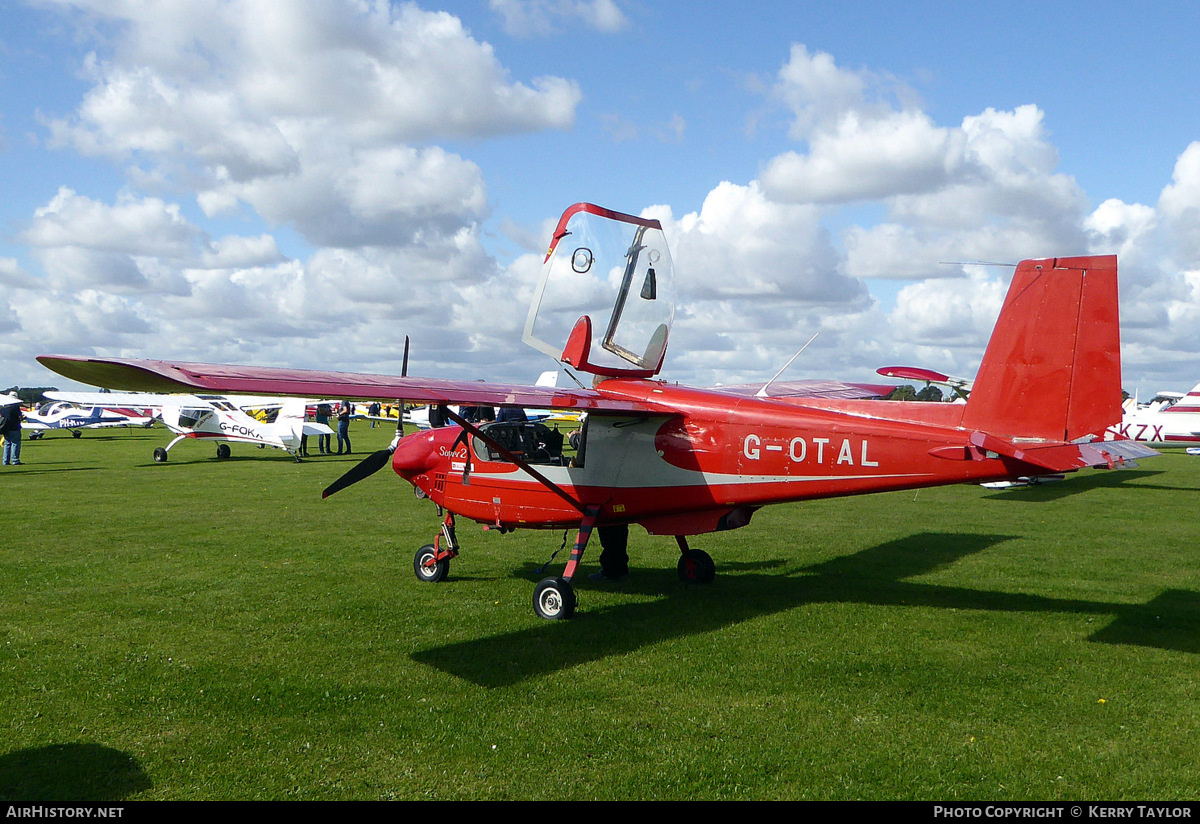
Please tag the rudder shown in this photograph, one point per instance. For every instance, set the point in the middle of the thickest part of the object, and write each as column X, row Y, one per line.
column 1052, row 369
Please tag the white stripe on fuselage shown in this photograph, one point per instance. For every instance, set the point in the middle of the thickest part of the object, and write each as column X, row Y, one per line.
column 621, row 454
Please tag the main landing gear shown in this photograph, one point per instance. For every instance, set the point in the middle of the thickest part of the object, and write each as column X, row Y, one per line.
column 553, row 598
column 695, row 565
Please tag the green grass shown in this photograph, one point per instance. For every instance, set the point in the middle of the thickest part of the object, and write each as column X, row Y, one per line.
column 213, row 630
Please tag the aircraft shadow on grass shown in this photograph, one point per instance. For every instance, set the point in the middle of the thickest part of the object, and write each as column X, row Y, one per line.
column 874, row 576
column 70, row 773
column 1094, row 480
column 1075, row 485
column 50, row 468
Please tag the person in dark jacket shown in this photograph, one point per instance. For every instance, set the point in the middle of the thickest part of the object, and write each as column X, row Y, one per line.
column 10, row 428
column 323, row 445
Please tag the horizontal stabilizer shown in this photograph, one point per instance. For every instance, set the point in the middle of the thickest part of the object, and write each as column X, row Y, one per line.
column 1063, row 457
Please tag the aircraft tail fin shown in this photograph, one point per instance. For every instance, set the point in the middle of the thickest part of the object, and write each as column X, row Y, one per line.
column 1052, row 369
column 1191, row 400
column 293, row 409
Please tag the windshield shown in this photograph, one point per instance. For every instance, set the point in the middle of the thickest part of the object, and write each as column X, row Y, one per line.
column 616, row 270
column 192, row 418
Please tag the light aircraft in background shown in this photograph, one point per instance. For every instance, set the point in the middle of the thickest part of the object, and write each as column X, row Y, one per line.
column 420, row 417
column 1170, row 419
column 59, row 414
column 218, row 418
column 684, row 461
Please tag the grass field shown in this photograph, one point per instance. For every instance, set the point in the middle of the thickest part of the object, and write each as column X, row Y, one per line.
column 214, row 630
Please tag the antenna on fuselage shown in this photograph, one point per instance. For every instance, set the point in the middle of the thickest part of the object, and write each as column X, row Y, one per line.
column 572, row 376
column 762, row 393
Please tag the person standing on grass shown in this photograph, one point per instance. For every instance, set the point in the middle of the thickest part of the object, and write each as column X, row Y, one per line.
column 343, row 429
column 10, row 428
column 322, row 416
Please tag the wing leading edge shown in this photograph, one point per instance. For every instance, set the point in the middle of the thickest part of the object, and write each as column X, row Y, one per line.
column 170, row 376
column 808, row 389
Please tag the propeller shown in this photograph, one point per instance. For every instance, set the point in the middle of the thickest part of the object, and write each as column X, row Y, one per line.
column 376, row 461
column 365, row 468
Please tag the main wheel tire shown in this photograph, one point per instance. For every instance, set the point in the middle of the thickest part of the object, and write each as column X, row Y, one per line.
column 554, row 599
column 160, row 455
column 75, row 433
column 223, row 451
column 696, row 567
column 427, row 572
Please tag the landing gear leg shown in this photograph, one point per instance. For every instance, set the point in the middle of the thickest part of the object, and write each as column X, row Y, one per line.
column 432, row 561
column 554, row 598
column 590, row 514
column 695, row 566
column 160, row 453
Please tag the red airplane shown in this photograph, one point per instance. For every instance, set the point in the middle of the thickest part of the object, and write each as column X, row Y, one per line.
column 687, row 461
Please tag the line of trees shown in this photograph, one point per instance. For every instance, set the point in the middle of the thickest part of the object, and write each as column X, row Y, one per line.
column 904, row 392
column 30, row 395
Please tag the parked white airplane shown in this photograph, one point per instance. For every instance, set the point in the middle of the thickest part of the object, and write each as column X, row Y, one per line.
column 1170, row 419
column 219, row 418
column 61, row 414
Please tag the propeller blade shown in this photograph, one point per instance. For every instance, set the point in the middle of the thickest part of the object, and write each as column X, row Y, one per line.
column 404, row 364
column 365, row 468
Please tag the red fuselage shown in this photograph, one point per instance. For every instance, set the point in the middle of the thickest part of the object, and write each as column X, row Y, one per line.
column 709, row 466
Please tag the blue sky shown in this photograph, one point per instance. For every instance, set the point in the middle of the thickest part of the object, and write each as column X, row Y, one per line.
column 305, row 183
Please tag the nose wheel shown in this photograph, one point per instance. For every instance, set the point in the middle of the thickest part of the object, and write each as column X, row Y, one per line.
column 428, row 567
column 432, row 561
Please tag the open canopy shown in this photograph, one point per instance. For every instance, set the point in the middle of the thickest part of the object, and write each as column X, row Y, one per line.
column 607, row 295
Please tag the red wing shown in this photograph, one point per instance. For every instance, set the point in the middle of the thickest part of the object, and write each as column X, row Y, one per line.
column 783, row 390
column 165, row 376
